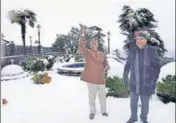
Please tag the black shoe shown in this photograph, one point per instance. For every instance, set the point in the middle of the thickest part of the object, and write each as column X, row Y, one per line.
column 105, row 114
column 131, row 120
column 91, row 116
column 145, row 121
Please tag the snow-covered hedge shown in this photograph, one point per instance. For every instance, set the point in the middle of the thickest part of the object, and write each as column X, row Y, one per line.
column 79, row 58
column 38, row 64
column 13, row 72
column 50, row 60
column 116, row 88
column 166, row 89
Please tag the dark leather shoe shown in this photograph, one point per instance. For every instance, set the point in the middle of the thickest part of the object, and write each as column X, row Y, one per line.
column 131, row 120
column 145, row 121
column 91, row 116
column 105, row 114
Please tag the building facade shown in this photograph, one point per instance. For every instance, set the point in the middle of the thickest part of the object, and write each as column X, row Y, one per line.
column 8, row 48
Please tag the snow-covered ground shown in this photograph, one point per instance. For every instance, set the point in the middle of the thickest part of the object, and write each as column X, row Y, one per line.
column 65, row 100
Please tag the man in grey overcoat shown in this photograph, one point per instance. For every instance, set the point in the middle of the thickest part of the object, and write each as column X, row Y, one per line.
column 144, row 65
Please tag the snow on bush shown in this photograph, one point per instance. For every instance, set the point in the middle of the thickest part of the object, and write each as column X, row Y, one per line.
column 72, row 60
column 59, row 59
column 34, row 64
column 50, row 57
column 50, row 63
column 79, row 58
column 11, row 70
column 45, row 61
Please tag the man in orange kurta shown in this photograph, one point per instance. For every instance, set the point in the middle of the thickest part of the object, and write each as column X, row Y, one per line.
column 94, row 73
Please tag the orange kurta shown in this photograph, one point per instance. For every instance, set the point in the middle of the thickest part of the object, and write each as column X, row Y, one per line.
column 94, row 67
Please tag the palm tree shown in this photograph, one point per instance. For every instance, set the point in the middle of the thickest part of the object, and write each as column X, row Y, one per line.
column 131, row 21
column 21, row 17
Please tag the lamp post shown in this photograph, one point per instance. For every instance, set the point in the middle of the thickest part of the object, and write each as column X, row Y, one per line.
column 39, row 47
column 30, row 39
column 56, row 48
column 131, row 18
column 109, row 33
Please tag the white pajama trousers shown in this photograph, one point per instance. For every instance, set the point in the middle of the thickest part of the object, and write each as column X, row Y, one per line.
column 93, row 89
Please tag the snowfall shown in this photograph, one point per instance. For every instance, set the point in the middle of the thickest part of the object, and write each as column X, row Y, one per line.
column 65, row 100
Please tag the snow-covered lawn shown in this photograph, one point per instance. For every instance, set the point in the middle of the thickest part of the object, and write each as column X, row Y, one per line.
column 65, row 100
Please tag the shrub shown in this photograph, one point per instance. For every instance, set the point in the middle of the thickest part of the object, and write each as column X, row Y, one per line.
column 66, row 58
column 33, row 64
column 50, row 63
column 116, row 87
column 38, row 65
column 40, row 78
column 166, row 89
column 27, row 64
column 79, row 58
column 36, row 79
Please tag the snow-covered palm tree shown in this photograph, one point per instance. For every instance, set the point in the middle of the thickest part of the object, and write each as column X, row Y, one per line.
column 22, row 17
column 131, row 21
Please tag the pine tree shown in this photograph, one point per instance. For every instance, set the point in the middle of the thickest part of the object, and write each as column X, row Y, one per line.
column 60, row 44
column 73, row 45
column 141, row 18
column 70, row 43
column 95, row 32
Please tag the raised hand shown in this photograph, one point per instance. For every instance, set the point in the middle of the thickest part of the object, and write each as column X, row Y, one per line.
column 82, row 28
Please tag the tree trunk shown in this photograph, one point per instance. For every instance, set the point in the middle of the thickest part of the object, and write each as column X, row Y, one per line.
column 108, row 45
column 23, row 33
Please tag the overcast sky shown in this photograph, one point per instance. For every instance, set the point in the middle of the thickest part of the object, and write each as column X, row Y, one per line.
column 57, row 16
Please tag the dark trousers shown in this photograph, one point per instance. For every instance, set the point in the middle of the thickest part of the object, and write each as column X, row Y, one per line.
column 134, row 106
